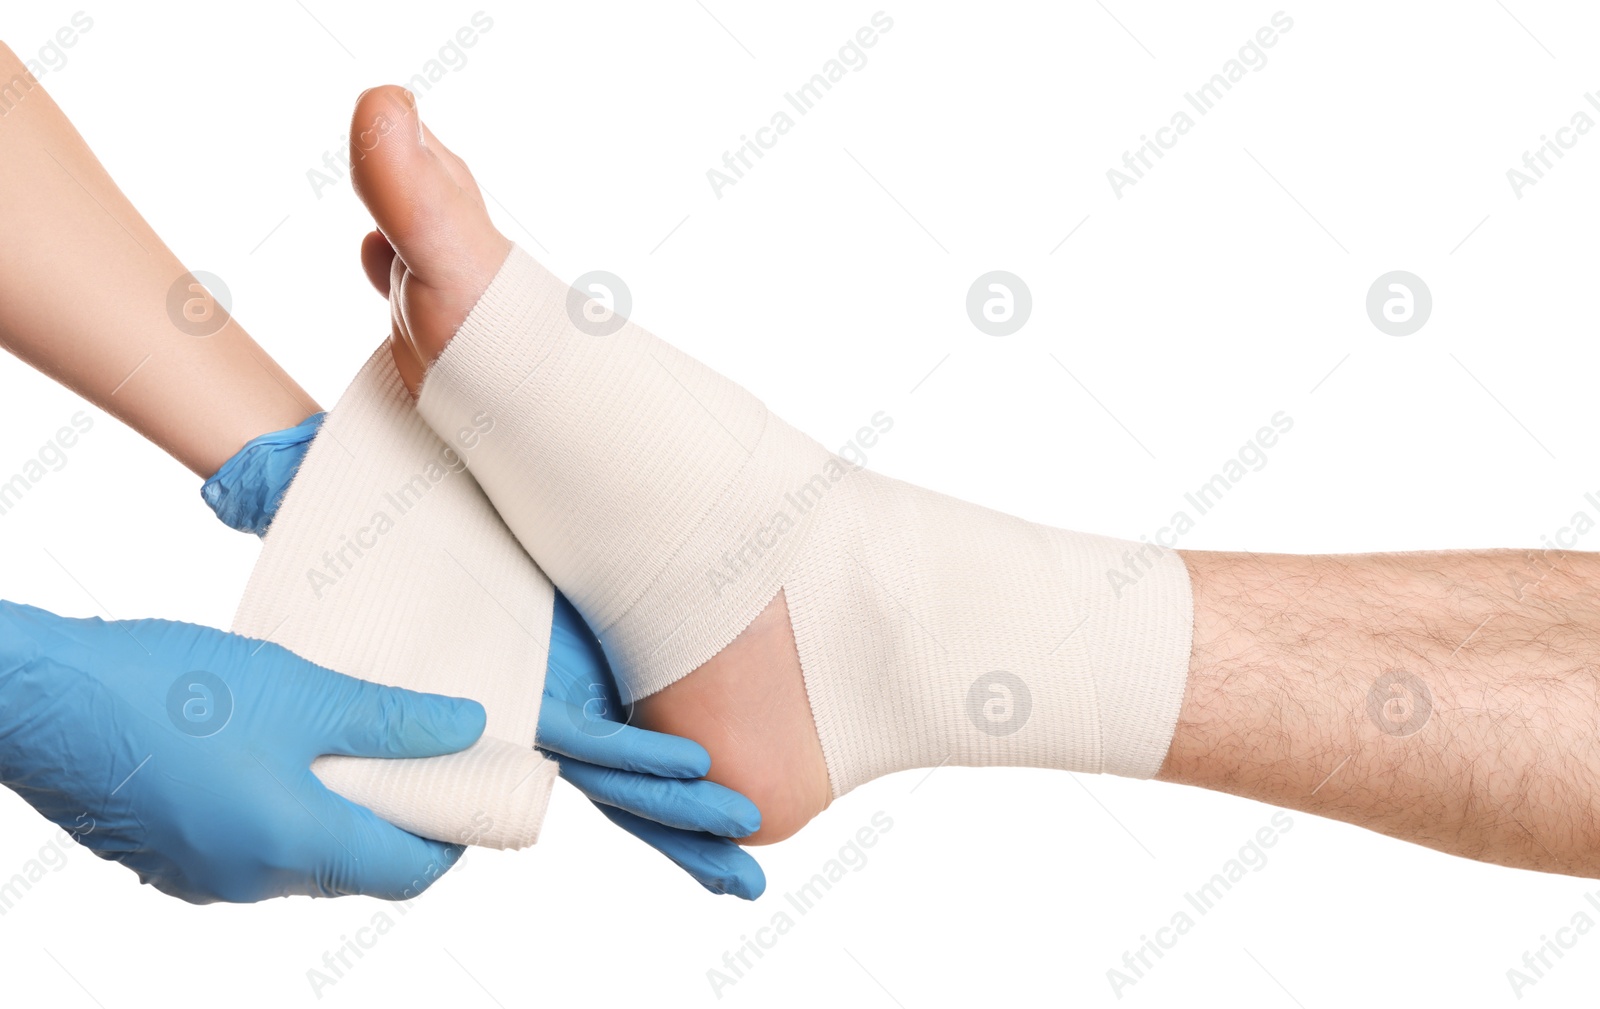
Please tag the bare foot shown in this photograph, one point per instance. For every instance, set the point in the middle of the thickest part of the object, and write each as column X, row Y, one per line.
column 433, row 255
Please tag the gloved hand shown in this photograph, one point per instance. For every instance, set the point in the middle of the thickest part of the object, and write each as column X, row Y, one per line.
column 185, row 753
column 645, row 782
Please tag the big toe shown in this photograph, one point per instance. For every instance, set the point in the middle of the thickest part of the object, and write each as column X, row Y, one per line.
column 425, row 202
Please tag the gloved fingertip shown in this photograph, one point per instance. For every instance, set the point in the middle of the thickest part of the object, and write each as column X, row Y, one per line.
column 725, row 869
column 681, row 758
column 661, row 754
column 468, row 719
column 428, row 725
column 716, row 863
column 742, row 813
column 713, row 885
column 629, row 748
column 466, row 723
column 746, row 885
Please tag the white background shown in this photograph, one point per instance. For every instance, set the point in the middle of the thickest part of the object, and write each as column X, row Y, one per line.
column 831, row 280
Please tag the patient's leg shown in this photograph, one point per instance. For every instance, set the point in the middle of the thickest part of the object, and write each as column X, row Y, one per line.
column 813, row 627
column 1450, row 699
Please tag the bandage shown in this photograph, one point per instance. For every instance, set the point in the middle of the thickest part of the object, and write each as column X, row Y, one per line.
column 671, row 507
column 387, row 562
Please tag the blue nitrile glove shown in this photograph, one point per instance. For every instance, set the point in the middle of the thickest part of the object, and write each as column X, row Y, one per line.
column 185, row 753
column 645, row 782
column 246, row 491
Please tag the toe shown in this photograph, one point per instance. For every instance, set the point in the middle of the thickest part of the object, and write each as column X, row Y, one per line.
column 377, row 259
column 435, row 251
column 437, row 225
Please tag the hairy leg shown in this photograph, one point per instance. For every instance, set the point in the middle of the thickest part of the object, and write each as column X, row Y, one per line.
column 1447, row 699
column 1450, row 699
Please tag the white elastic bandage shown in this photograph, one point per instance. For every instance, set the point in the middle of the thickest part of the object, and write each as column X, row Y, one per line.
column 671, row 507
column 387, row 562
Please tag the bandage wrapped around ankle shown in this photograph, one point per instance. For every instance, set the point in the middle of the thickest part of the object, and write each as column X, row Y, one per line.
column 386, row 562
column 671, row 507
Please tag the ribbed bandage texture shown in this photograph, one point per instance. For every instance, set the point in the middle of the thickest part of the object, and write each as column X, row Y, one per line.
column 387, row 562
column 671, row 506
